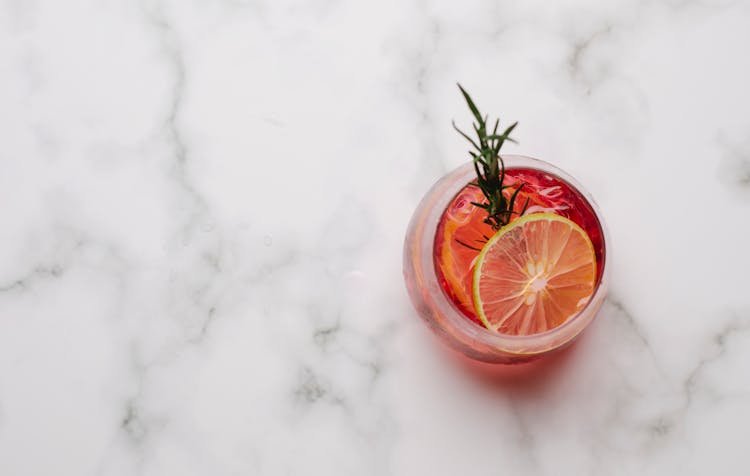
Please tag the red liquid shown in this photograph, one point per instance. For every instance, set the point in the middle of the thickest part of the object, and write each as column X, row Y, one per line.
column 464, row 222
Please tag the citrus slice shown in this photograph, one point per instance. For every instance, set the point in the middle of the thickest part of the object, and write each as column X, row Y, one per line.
column 534, row 274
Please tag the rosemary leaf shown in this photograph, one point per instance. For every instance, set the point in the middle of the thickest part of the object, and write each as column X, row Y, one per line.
column 491, row 177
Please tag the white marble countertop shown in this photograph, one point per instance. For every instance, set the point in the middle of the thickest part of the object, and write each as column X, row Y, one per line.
column 203, row 207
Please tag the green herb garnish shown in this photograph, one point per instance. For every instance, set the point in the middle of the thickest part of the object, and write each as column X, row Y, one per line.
column 491, row 177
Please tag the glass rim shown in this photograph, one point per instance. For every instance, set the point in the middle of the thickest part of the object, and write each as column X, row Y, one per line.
column 531, row 344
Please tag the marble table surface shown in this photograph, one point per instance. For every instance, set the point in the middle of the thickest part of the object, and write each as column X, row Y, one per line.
column 203, row 209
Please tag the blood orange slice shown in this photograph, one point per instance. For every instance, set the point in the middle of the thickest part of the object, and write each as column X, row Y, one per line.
column 534, row 274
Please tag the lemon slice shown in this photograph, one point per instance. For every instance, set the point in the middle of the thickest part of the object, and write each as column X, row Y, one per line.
column 534, row 274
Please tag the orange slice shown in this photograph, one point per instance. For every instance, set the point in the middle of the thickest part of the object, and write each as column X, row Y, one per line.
column 533, row 275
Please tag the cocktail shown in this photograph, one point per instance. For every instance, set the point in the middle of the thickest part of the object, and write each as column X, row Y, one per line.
column 505, row 257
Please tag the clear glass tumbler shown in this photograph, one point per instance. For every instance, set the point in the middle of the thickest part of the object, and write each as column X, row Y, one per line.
column 442, row 315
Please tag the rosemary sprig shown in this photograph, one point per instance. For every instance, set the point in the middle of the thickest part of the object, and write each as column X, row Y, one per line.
column 490, row 168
